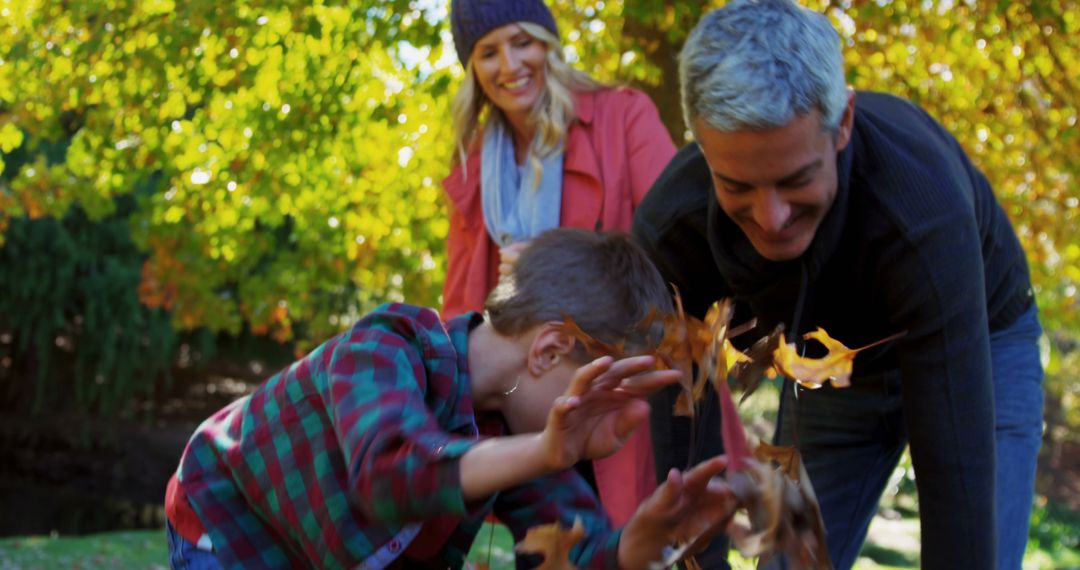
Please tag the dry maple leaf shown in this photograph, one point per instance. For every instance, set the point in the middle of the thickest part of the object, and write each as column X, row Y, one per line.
column 688, row 341
column 554, row 542
column 757, row 363
column 781, row 516
column 593, row 346
column 711, row 341
column 787, row 458
column 834, row 367
column 682, row 406
column 676, row 348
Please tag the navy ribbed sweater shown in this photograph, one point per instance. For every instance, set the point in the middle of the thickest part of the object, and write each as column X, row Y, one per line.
column 915, row 242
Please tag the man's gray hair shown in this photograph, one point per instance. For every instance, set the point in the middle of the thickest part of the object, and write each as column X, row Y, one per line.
column 757, row 64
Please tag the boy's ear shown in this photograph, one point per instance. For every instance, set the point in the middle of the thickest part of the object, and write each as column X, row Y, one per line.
column 549, row 347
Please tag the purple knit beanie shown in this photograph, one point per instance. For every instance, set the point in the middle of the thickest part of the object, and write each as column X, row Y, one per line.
column 471, row 20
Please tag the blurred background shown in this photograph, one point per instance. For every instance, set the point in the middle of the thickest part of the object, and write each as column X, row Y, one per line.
column 193, row 193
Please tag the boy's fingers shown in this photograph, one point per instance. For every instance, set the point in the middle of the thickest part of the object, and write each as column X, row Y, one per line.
column 697, row 480
column 585, row 375
column 703, row 472
column 633, row 414
column 625, row 368
column 560, row 409
column 646, row 383
column 669, row 492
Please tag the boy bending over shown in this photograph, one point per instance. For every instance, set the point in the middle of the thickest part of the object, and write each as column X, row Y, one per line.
column 387, row 446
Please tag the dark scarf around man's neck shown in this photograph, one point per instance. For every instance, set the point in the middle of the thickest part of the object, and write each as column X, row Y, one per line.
column 777, row 291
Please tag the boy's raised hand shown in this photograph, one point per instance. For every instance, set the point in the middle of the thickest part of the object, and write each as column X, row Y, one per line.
column 688, row 509
column 603, row 405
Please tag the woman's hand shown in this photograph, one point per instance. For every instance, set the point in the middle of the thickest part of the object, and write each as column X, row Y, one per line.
column 509, row 255
column 603, row 405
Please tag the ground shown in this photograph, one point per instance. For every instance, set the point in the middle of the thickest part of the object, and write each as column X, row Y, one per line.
column 67, row 477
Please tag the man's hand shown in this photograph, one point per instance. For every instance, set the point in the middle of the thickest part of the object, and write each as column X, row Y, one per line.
column 688, row 510
column 603, row 405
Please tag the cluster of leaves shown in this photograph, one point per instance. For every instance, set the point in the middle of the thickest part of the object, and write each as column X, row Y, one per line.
column 781, row 509
column 770, row 482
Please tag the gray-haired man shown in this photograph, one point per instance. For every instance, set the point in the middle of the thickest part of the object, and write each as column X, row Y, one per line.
column 816, row 206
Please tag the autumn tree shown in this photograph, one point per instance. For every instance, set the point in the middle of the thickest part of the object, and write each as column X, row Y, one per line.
column 281, row 160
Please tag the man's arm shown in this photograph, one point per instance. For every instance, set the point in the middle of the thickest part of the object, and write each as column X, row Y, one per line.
column 934, row 290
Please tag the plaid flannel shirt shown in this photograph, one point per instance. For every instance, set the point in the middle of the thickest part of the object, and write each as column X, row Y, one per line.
column 338, row 456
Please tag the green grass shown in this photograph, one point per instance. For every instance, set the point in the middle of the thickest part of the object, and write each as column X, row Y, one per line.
column 1054, row 544
column 1054, row 538
column 129, row 550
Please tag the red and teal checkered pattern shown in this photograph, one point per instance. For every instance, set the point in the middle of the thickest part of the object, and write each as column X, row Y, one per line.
column 330, row 458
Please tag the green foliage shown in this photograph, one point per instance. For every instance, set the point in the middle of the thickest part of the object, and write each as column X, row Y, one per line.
column 71, row 318
column 138, row 550
column 298, row 153
column 1003, row 78
column 289, row 153
column 1054, row 538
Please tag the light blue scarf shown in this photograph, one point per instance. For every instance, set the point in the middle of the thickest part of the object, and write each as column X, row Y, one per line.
column 515, row 208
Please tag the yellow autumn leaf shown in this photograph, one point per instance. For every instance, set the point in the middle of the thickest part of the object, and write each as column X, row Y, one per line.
column 554, row 542
column 812, row 373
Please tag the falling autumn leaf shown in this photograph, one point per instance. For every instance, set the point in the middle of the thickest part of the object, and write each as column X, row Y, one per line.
column 786, row 457
column 682, row 406
column 688, row 341
column 676, row 349
column 554, row 542
column 780, row 515
column 757, row 363
column 592, row 346
column 834, row 367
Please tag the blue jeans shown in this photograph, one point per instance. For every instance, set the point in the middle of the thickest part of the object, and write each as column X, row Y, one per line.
column 183, row 555
column 1018, row 423
column 851, row 440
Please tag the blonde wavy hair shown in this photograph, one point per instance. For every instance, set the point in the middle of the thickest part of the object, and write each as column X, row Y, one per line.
column 552, row 114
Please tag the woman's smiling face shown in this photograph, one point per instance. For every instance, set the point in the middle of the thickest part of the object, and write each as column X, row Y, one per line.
column 509, row 65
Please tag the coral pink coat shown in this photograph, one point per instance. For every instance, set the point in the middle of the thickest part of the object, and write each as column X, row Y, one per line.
column 614, row 151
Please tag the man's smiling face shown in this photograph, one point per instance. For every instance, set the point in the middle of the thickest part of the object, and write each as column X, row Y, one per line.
column 777, row 184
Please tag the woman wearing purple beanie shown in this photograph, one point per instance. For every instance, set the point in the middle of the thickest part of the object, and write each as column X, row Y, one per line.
column 540, row 145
